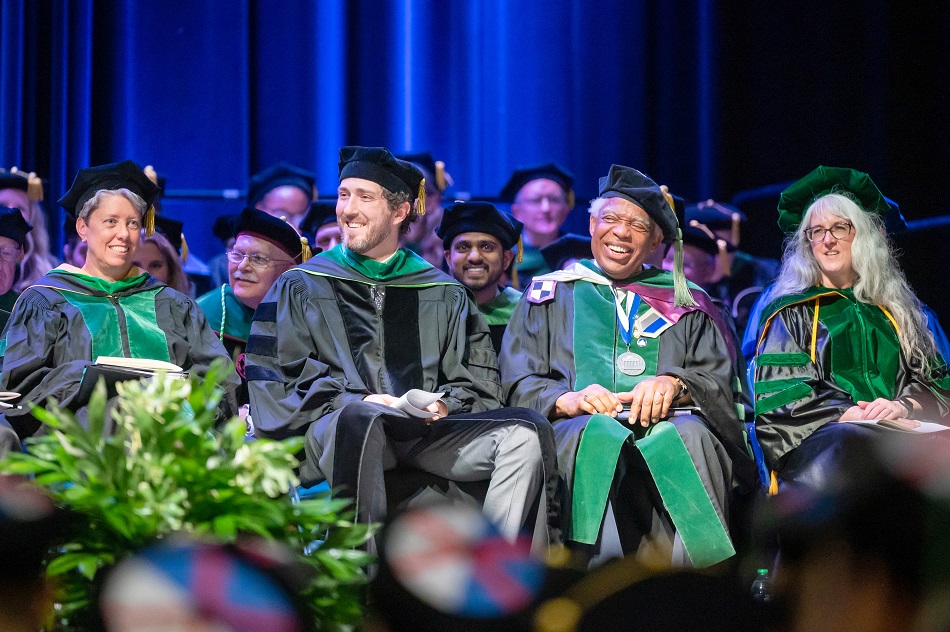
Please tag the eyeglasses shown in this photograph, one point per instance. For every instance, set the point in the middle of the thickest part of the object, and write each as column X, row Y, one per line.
column 553, row 200
column 255, row 261
column 10, row 254
column 636, row 225
column 838, row 231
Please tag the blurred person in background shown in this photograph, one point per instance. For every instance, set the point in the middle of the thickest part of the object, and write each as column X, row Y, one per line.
column 421, row 237
column 282, row 190
column 541, row 198
column 24, row 191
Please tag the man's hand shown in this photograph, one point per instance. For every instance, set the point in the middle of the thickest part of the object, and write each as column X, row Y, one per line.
column 381, row 398
column 650, row 399
column 588, row 401
column 439, row 409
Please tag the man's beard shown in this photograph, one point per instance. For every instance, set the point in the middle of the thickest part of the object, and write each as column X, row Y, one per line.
column 371, row 236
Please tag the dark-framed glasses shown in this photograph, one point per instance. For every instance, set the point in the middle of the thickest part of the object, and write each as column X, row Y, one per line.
column 10, row 254
column 255, row 261
column 838, row 231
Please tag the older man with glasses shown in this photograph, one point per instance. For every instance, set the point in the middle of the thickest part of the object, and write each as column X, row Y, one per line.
column 264, row 248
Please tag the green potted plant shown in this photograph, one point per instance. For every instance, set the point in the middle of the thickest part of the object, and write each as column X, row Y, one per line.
column 167, row 468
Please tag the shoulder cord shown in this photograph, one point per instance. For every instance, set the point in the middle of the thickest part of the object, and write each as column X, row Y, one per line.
column 224, row 314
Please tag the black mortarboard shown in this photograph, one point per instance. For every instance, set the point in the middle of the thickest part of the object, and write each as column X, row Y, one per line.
column 171, row 229
column 549, row 171
column 273, row 229
column 478, row 217
column 857, row 185
column 637, row 188
column 13, row 226
column 377, row 165
column 435, row 168
column 569, row 246
column 27, row 182
column 281, row 174
column 118, row 175
column 452, row 582
column 713, row 214
column 694, row 235
column 223, row 227
column 607, row 598
column 320, row 214
column 165, row 584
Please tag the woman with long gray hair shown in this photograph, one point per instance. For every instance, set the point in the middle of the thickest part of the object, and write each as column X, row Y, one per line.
column 844, row 337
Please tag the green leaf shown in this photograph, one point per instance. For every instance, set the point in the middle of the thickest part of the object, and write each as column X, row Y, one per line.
column 71, row 561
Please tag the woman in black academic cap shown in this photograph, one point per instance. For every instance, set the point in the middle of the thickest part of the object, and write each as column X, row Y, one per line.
column 844, row 337
column 109, row 307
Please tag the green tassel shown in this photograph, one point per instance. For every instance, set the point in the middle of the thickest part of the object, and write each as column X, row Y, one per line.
column 681, row 294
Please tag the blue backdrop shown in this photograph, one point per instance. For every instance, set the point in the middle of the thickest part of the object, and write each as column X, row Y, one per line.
column 709, row 98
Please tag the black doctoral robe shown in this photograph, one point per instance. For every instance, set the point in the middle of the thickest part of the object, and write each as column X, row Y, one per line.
column 540, row 358
column 812, row 366
column 339, row 327
column 63, row 322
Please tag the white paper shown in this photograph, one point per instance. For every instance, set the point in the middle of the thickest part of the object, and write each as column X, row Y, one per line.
column 140, row 364
column 924, row 427
column 415, row 401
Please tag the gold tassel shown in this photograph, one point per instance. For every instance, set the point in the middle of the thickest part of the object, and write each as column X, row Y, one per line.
column 150, row 221
column 520, row 256
column 151, row 174
column 570, row 199
column 736, row 229
column 34, row 187
column 184, row 249
column 305, row 252
column 723, row 262
column 668, row 196
column 442, row 178
column 421, row 204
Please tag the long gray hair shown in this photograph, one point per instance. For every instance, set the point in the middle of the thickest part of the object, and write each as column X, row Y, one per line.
column 879, row 281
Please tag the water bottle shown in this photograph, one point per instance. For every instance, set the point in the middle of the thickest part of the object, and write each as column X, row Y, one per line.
column 762, row 586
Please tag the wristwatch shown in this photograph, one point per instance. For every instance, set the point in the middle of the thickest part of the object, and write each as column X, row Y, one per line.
column 683, row 388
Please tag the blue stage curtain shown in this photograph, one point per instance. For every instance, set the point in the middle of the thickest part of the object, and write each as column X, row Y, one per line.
column 209, row 92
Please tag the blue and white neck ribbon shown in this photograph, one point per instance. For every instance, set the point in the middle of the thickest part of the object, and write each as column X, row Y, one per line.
column 628, row 303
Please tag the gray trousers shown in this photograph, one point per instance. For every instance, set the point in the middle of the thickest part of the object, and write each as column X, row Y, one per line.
column 352, row 447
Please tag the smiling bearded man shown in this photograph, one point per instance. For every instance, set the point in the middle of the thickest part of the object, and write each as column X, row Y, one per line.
column 635, row 375
column 341, row 337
